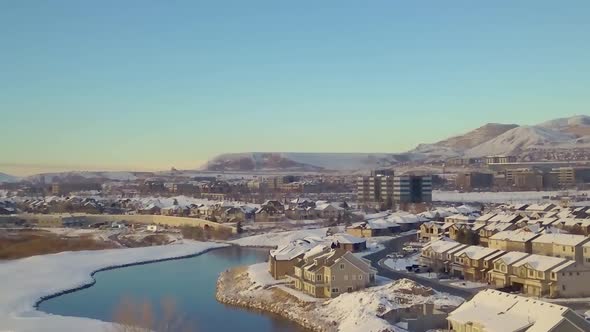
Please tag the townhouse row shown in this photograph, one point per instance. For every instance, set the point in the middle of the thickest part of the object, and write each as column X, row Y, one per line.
column 532, row 274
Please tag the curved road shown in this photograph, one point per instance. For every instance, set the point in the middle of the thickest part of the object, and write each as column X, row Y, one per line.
column 397, row 244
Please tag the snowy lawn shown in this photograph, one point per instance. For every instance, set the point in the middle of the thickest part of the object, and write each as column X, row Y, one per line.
column 25, row 281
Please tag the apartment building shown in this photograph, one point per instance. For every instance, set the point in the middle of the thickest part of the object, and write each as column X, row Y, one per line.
column 474, row 180
column 281, row 261
column 567, row 246
column 499, row 159
column 412, row 189
column 492, row 310
column 327, row 274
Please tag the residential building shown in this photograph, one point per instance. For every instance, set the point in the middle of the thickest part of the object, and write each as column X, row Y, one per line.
column 469, row 262
column 435, row 254
column 348, row 242
column 517, row 240
column 494, row 311
column 499, row 275
column 281, row 261
column 329, row 274
column 567, row 246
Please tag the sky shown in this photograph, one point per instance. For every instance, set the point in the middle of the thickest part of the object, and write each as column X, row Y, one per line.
column 144, row 85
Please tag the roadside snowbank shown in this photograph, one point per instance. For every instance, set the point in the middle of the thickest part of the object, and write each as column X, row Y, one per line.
column 26, row 281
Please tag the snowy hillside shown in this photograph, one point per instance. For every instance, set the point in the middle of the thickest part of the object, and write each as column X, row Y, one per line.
column 520, row 139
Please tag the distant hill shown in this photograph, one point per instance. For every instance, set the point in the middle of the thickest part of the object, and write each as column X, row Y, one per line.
column 78, row 176
column 546, row 139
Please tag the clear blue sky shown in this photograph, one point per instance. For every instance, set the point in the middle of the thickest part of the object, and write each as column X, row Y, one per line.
column 152, row 84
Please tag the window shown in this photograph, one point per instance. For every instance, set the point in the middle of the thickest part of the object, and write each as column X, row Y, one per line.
column 333, row 278
column 553, row 275
column 341, row 266
column 361, row 277
column 563, row 287
column 334, row 290
column 318, row 277
column 571, row 274
column 349, row 289
column 503, row 268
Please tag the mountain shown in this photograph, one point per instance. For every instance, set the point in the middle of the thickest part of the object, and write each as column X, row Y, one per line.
column 549, row 140
column 521, row 139
column 7, row 178
column 477, row 136
column 76, row 176
column 302, row 162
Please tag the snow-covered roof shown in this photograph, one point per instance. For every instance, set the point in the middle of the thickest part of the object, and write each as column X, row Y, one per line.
column 441, row 246
column 476, row 252
column 505, row 218
column 496, row 311
column 293, row 249
column 486, row 217
column 346, row 238
column 512, row 257
column 516, row 236
column 540, row 262
column 561, row 239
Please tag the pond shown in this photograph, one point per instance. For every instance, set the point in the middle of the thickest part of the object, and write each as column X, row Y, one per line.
column 189, row 283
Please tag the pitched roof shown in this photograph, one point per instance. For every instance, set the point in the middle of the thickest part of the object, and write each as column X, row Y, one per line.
column 476, row 252
column 540, row 262
column 561, row 239
column 512, row 257
column 501, row 312
column 516, row 236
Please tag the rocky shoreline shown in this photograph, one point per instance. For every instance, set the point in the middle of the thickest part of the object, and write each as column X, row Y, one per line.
column 234, row 287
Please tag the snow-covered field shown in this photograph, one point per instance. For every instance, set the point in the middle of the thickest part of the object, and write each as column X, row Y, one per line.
column 498, row 197
column 279, row 239
column 25, row 281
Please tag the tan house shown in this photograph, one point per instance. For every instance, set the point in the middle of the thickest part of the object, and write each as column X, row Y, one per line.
column 431, row 231
column 469, row 262
column 489, row 230
column 586, row 253
column 568, row 246
column 329, row 211
column 494, row 311
column 434, row 254
column 518, row 240
column 329, row 274
column 532, row 275
column 282, row 259
column 499, row 275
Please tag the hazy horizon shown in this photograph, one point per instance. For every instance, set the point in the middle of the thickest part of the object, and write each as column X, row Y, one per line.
column 148, row 86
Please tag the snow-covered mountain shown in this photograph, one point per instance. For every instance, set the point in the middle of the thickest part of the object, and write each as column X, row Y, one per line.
column 544, row 141
column 7, row 178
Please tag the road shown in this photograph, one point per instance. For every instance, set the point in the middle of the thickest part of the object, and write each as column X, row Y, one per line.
column 396, row 245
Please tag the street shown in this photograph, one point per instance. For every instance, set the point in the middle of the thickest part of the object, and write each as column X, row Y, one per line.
column 396, row 245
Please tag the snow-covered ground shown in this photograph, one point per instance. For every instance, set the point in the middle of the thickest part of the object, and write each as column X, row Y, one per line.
column 25, row 281
column 469, row 284
column 358, row 311
column 399, row 264
column 280, row 238
column 498, row 197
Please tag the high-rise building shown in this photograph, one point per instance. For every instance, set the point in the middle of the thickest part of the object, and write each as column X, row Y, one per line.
column 412, row 189
column 376, row 190
column 474, row 180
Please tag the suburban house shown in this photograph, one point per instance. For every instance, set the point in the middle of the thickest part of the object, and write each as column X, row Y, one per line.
column 348, row 242
column 435, row 254
column 568, row 246
column 230, row 214
column 282, row 259
column 518, row 240
column 532, row 275
column 586, row 253
column 372, row 228
column 469, row 262
column 491, row 310
column 268, row 213
column 329, row 274
column 499, row 275
column 432, row 230
column 489, row 230
column 329, row 211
